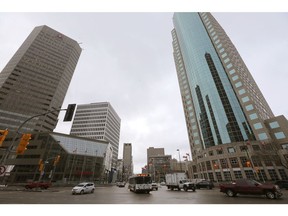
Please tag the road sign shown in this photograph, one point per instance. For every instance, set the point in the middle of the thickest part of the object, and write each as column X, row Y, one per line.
column 6, row 169
column 2, row 170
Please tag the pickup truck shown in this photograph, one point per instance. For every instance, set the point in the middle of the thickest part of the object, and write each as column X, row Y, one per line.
column 42, row 185
column 251, row 187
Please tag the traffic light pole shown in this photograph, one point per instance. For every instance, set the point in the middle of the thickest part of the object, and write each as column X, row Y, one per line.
column 68, row 117
column 9, row 149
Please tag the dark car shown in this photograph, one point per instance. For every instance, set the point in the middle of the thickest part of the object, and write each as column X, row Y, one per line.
column 250, row 187
column 205, row 184
column 42, row 185
column 283, row 184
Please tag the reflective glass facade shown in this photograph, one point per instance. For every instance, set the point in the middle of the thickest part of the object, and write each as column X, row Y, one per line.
column 217, row 110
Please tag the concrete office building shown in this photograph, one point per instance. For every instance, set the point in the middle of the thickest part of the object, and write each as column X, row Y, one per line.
column 232, row 131
column 98, row 121
column 36, row 80
column 127, row 161
column 158, row 164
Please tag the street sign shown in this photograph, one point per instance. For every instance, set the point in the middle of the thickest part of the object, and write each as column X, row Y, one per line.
column 2, row 170
column 6, row 169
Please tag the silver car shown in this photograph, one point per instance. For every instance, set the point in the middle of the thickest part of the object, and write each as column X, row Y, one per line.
column 84, row 187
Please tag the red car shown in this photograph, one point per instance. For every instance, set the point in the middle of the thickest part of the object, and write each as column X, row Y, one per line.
column 251, row 187
column 42, row 185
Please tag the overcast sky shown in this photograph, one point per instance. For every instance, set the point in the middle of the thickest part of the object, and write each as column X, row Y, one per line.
column 127, row 60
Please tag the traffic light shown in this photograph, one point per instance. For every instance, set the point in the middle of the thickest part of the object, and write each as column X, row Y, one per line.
column 69, row 112
column 248, row 163
column 57, row 158
column 23, row 143
column 3, row 134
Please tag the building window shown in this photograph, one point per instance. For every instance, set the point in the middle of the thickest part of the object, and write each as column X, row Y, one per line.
column 215, row 37
column 219, row 151
column 245, row 99
column 243, row 148
column 227, row 176
column 231, row 150
column 241, row 91
column 219, row 45
column 274, row 125
column 283, row 174
column 229, row 65
column 256, row 147
column 218, row 176
column 249, row 174
column 235, row 77
column 273, row 174
column 211, row 177
column 234, row 162
column 221, row 50
column 226, row 60
column 238, row 84
column 249, row 107
column 238, row 174
column 285, row 146
column 279, row 135
column 253, row 116
column 232, row 71
column 258, row 126
column 211, row 153
column 224, row 55
column 262, row 136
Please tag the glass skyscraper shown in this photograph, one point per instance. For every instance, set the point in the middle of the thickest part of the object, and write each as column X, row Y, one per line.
column 224, row 108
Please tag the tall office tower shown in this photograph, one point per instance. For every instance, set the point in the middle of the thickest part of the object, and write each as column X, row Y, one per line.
column 127, row 161
column 36, row 80
column 224, row 108
column 152, row 152
column 98, row 121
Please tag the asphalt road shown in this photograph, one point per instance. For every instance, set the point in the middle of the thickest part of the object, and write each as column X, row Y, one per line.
column 116, row 195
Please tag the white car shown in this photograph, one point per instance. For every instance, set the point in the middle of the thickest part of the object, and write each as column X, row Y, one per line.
column 84, row 187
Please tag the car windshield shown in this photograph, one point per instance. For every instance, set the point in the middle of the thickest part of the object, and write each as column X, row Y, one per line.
column 80, row 185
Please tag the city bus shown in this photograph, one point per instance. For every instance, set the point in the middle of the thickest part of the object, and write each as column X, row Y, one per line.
column 140, row 183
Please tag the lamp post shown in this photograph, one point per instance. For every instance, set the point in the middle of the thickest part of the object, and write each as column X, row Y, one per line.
column 180, row 160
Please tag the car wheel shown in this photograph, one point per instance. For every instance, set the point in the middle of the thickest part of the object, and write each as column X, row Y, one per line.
column 27, row 187
column 92, row 191
column 185, row 189
column 270, row 195
column 230, row 193
column 82, row 192
column 208, row 187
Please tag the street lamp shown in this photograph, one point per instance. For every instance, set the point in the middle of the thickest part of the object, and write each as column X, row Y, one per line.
column 180, row 160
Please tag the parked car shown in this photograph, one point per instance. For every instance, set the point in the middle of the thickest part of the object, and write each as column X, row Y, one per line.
column 42, row 185
column 163, row 183
column 251, row 187
column 205, row 184
column 283, row 184
column 154, row 186
column 84, row 187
